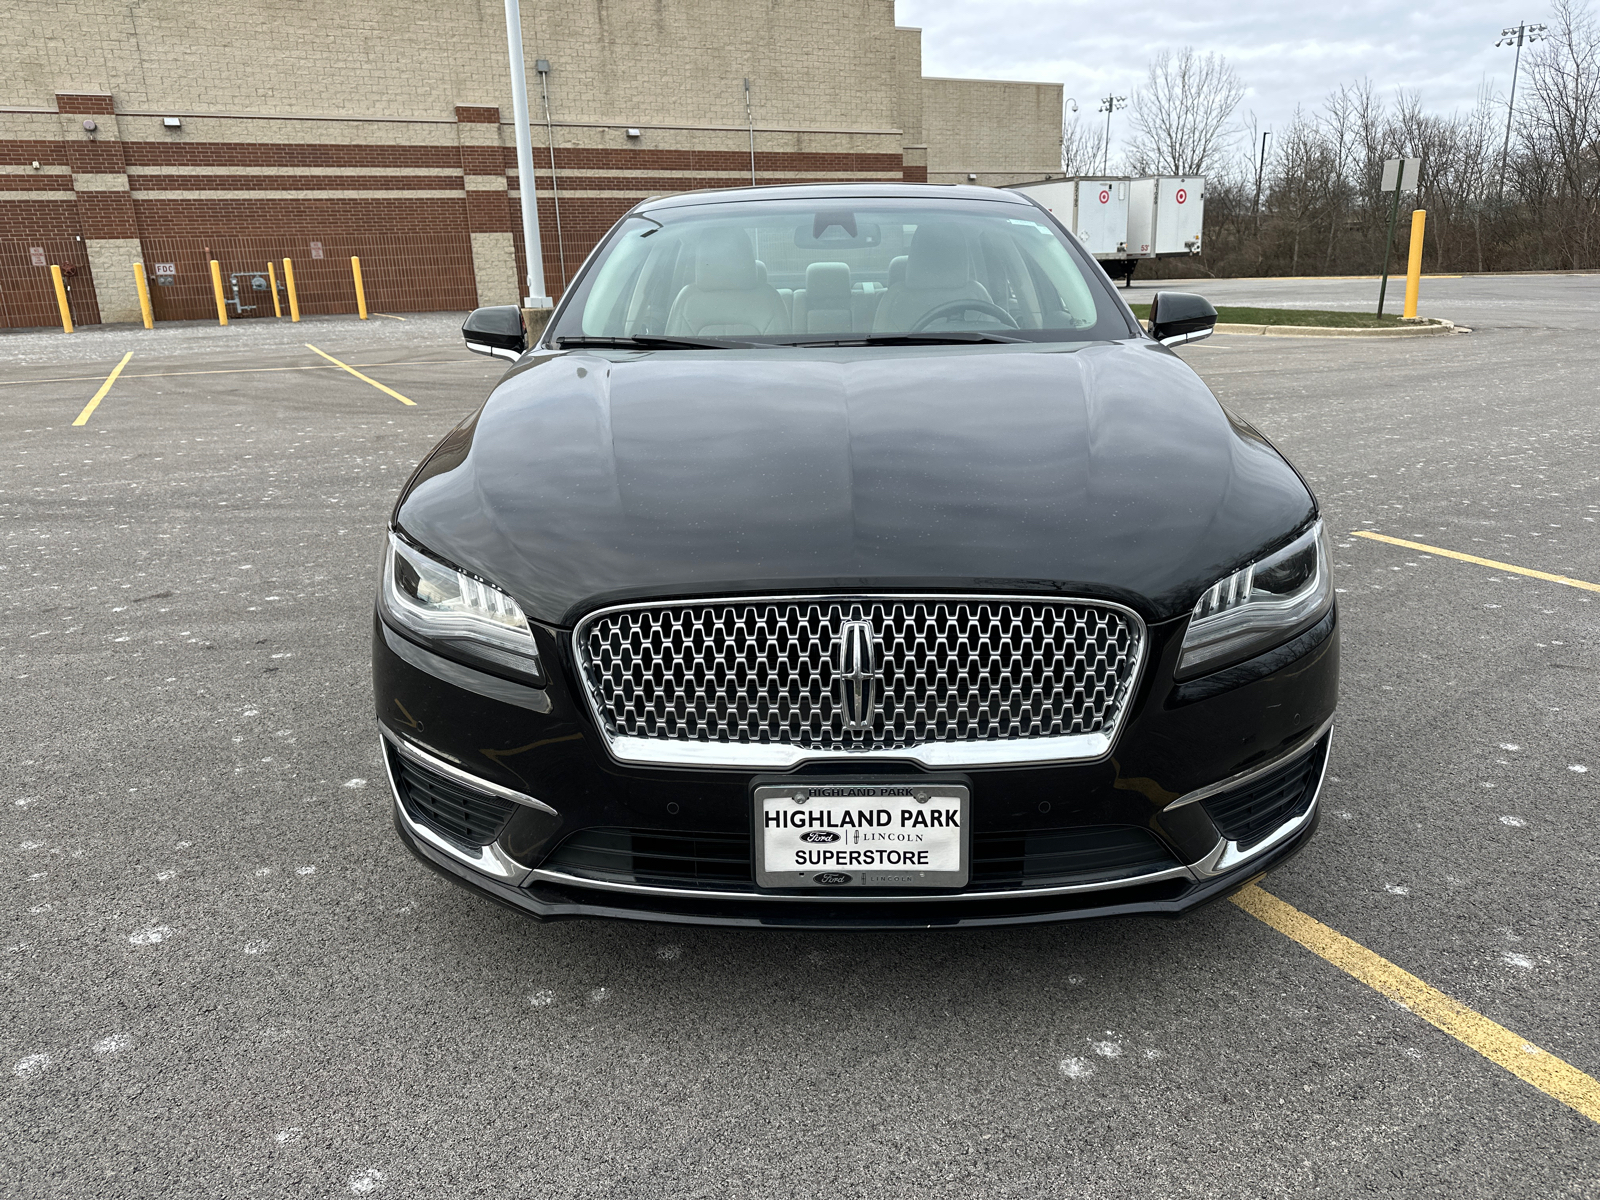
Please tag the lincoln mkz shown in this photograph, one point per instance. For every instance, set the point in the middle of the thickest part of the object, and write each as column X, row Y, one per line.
column 852, row 557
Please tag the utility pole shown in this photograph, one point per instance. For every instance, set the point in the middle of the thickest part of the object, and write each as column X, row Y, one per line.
column 1261, row 166
column 542, row 65
column 537, row 296
column 1109, row 105
column 1514, row 36
column 750, row 120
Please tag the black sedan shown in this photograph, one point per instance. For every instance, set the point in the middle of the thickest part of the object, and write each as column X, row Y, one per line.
column 851, row 556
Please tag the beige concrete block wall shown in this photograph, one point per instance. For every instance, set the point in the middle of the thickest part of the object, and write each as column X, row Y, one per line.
column 1000, row 130
column 908, row 83
column 494, row 267
column 111, row 263
column 821, row 63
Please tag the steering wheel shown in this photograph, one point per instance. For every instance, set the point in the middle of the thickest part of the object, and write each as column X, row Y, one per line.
column 956, row 307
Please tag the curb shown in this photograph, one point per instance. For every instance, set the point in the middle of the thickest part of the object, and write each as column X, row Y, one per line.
column 1329, row 331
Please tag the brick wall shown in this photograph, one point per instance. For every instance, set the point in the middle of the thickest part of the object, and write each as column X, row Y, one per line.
column 315, row 132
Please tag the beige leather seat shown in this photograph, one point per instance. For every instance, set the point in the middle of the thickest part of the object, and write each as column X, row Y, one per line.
column 824, row 305
column 938, row 272
column 728, row 297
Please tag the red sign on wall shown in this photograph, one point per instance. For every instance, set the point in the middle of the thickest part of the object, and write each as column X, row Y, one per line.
column 36, row 255
column 1182, row 195
column 1105, row 196
column 316, row 249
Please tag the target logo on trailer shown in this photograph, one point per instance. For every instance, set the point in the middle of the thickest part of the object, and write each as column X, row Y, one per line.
column 1105, row 196
column 1182, row 195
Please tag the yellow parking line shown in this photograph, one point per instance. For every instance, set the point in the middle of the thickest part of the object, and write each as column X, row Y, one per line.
column 88, row 409
column 1555, row 1078
column 1482, row 562
column 420, row 362
column 360, row 376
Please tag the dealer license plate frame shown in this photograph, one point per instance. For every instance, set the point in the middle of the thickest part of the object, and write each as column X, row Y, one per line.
column 834, row 793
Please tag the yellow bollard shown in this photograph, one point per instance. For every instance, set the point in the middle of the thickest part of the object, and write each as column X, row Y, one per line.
column 288, row 282
column 1419, row 218
column 216, row 288
column 272, row 281
column 61, row 297
column 143, row 288
column 361, row 292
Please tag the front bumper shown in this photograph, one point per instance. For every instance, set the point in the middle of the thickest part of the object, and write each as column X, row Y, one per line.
column 1186, row 753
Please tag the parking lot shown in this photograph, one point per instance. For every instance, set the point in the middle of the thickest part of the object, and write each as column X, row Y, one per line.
column 226, row 977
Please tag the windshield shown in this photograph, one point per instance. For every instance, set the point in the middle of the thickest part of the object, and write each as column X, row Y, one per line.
column 826, row 270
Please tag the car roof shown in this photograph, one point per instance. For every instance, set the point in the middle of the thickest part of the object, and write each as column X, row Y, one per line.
column 833, row 191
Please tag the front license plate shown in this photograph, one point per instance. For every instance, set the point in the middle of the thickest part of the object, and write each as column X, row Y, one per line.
column 861, row 834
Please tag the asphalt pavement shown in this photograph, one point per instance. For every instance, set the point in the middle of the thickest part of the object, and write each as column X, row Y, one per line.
column 224, row 976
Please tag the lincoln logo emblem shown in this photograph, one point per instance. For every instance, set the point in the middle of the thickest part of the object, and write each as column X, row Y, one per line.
column 856, row 667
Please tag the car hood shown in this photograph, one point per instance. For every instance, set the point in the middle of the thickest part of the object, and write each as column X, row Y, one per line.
column 1093, row 469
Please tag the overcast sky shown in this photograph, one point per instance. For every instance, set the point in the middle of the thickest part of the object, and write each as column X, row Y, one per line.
column 1285, row 53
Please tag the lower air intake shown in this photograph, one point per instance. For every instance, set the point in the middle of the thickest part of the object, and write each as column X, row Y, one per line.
column 450, row 810
column 1246, row 815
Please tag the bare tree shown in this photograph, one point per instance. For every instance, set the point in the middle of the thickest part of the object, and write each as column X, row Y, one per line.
column 1561, row 125
column 1321, row 207
column 1181, row 115
column 1082, row 147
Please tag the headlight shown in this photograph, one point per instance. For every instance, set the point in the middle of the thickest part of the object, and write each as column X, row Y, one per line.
column 455, row 611
column 1259, row 607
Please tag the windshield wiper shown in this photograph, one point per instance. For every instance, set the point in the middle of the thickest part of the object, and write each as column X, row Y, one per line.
column 649, row 341
column 953, row 338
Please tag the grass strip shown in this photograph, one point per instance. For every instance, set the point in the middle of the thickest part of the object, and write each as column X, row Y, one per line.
column 1292, row 316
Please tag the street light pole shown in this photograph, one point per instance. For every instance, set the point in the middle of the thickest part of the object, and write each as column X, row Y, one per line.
column 1109, row 105
column 537, row 297
column 1514, row 36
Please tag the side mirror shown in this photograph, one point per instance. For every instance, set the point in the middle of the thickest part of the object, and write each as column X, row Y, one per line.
column 497, row 330
column 1179, row 317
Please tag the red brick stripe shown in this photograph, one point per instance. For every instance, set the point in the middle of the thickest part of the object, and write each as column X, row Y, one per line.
column 91, row 103
column 284, row 183
column 292, row 154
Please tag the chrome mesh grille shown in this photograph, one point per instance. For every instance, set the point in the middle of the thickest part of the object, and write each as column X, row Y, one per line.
column 954, row 671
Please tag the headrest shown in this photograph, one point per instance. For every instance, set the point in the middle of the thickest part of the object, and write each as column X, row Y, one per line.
column 724, row 262
column 827, row 285
column 938, row 258
column 897, row 270
column 761, row 271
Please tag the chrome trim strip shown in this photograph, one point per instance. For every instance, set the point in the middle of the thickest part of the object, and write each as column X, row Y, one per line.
column 466, row 779
column 852, row 896
column 1226, row 855
column 1243, row 777
column 1079, row 747
column 495, row 351
column 1082, row 747
column 489, row 860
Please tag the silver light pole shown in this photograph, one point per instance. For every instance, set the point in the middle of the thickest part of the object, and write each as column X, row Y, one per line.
column 537, row 297
column 1109, row 105
column 1514, row 36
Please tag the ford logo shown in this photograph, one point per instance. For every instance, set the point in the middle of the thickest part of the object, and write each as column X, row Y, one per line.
column 833, row 878
column 819, row 835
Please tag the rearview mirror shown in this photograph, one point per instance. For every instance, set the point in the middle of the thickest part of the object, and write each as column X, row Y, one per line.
column 1179, row 317
column 496, row 330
